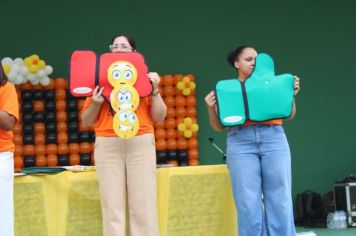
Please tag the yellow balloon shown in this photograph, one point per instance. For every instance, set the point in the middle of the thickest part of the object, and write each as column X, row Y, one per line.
column 125, row 124
column 181, row 127
column 180, row 85
column 188, row 121
column 195, row 127
column 192, row 85
column 188, row 133
column 122, row 72
column 7, row 68
column 33, row 68
column 41, row 64
column 186, row 92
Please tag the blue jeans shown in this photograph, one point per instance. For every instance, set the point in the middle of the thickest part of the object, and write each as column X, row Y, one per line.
column 259, row 162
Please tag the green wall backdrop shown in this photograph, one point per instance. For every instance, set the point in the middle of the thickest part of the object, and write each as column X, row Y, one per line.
column 313, row 39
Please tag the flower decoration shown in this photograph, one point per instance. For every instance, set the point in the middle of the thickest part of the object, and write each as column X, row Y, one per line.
column 187, row 127
column 186, row 85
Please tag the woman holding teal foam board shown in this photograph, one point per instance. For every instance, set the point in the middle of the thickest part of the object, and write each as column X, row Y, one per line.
column 259, row 162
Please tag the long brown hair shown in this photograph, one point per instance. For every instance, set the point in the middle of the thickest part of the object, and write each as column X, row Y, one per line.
column 3, row 77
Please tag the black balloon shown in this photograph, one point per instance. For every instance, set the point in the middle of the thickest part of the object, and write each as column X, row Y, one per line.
column 172, row 155
column 39, row 117
column 183, row 155
column 27, row 129
column 73, row 127
column 72, row 116
column 50, row 117
column 27, row 118
column 51, row 138
column 27, row 106
column 50, row 106
column 28, row 139
column 29, row 161
column 73, row 138
column 26, row 95
column 63, row 160
column 72, row 105
column 85, row 137
column 38, row 95
column 85, row 159
column 49, row 95
column 51, row 127
column 161, row 156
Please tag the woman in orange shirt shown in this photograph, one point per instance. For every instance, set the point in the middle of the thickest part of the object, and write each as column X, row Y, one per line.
column 9, row 112
column 258, row 159
column 126, row 164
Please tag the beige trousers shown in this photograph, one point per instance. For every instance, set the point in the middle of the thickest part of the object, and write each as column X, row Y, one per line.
column 127, row 165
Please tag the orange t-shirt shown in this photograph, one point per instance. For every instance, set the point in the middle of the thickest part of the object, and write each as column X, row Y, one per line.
column 268, row 122
column 9, row 104
column 103, row 125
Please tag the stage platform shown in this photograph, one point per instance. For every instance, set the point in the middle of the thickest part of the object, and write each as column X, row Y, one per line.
column 192, row 201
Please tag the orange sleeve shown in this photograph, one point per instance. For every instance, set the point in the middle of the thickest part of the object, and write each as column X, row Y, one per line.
column 8, row 100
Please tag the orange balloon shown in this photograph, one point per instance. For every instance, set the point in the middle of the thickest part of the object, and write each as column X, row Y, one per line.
column 37, row 86
column 168, row 80
column 85, row 147
column 26, row 86
column 191, row 112
column 40, row 150
column 170, row 123
column 182, row 144
column 191, row 77
column 83, row 127
column 92, row 147
column 173, row 162
column 171, row 133
column 171, row 144
column 62, row 138
column 60, row 94
column 169, row 91
column 177, row 78
column 171, row 112
column 41, row 161
column 193, row 143
column 74, row 159
column 181, row 112
column 17, row 139
column 169, row 101
column 40, row 128
column 17, row 128
column 51, row 85
column 51, row 149
column 74, row 148
column 80, row 104
column 161, row 144
column 18, row 163
column 61, row 116
column 18, row 150
column 193, row 162
column 193, row 154
column 62, row 127
column 61, row 105
column 40, row 139
column 38, row 106
column 180, row 101
column 28, row 150
column 62, row 149
column 160, row 133
column 191, row 101
column 159, row 125
column 60, row 83
column 52, row 160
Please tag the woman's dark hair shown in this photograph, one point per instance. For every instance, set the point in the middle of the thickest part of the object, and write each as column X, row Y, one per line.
column 129, row 39
column 3, row 77
column 234, row 54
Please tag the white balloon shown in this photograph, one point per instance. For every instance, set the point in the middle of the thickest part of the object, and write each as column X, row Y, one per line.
column 18, row 61
column 31, row 77
column 15, row 67
column 40, row 74
column 35, row 81
column 12, row 76
column 21, row 79
column 48, row 69
column 6, row 60
column 23, row 70
column 45, row 81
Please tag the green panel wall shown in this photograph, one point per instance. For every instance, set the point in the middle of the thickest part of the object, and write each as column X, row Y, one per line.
column 313, row 39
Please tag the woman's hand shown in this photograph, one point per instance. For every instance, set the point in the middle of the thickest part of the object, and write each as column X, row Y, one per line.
column 155, row 79
column 296, row 85
column 97, row 98
column 210, row 99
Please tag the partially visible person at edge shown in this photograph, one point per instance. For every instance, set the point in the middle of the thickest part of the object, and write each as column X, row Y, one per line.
column 9, row 113
column 259, row 162
column 126, row 165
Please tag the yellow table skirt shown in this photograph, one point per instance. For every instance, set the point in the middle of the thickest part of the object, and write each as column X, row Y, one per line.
column 191, row 201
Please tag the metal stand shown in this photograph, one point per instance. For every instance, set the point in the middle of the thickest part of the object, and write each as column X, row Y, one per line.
column 211, row 140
